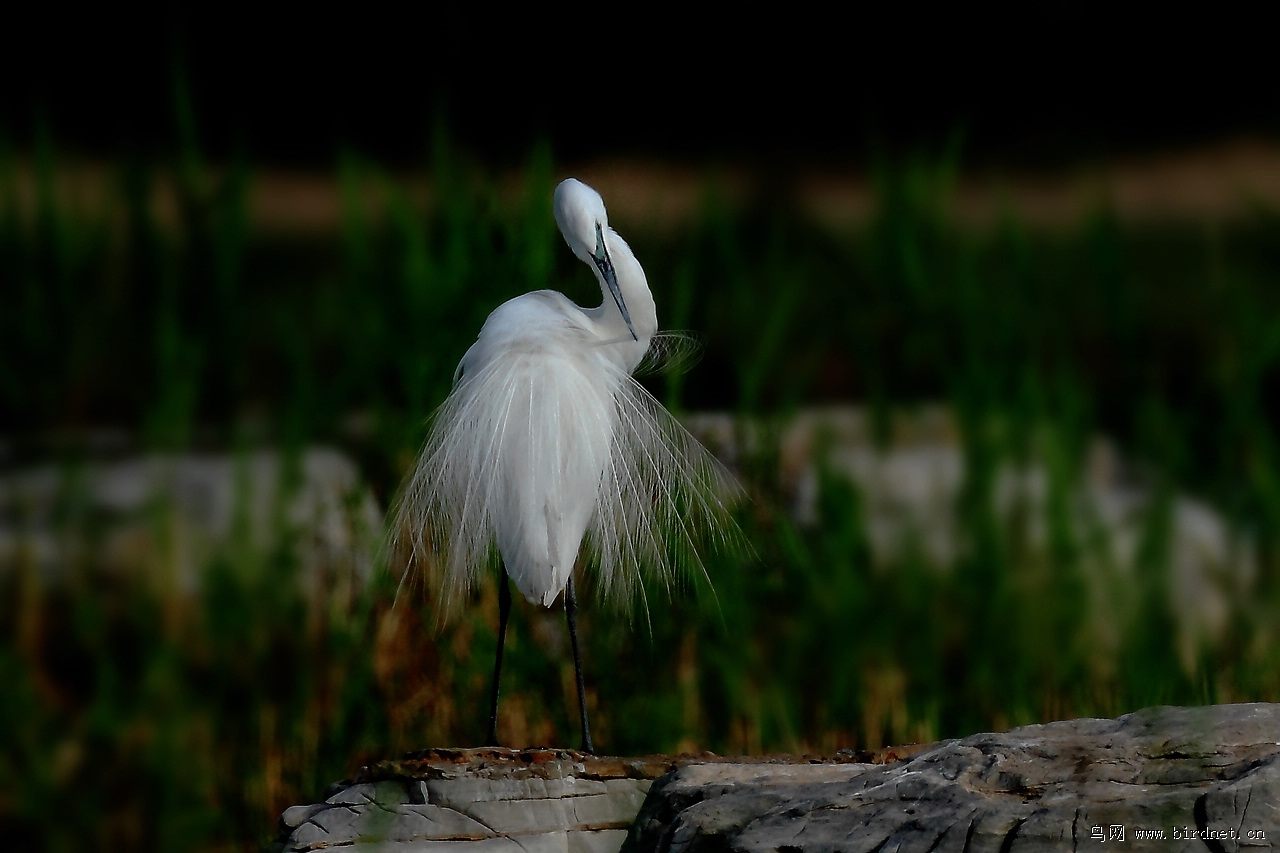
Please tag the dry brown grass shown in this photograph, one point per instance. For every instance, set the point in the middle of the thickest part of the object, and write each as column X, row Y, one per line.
column 1216, row 182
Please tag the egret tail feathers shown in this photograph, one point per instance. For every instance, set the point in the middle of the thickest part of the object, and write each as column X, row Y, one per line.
column 665, row 501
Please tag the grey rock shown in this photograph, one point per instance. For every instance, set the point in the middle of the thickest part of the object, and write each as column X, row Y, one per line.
column 295, row 816
column 487, row 800
column 171, row 514
column 458, row 792
column 346, row 823
column 1162, row 778
column 382, row 793
column 911, row 486
column 1203, row 777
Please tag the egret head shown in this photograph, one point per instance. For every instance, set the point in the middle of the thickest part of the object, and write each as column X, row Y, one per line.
column 584, row 223
column 579, row 213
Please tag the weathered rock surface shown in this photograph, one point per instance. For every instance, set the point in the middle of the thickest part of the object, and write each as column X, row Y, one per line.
column 536, row 800
column 1162, row 778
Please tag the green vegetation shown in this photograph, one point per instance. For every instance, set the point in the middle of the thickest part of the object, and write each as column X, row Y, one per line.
column 139, row 716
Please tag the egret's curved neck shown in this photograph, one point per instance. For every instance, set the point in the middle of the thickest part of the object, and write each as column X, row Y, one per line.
column 634, row 289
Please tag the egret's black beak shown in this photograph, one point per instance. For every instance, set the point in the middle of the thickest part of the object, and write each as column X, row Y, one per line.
column 601, row 258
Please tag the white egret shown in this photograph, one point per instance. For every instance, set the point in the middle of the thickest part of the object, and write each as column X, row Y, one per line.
column 546, row 445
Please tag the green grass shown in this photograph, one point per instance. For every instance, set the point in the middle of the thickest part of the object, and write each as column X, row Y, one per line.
column 137, row 717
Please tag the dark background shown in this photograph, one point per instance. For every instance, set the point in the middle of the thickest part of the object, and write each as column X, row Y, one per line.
column 1045, row 87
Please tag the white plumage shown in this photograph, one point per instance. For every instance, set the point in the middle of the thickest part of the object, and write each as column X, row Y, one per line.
column 547, row 444
column 546, row 440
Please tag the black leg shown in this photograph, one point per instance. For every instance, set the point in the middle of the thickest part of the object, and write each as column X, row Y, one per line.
column 504, row 610
column 571, row 615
